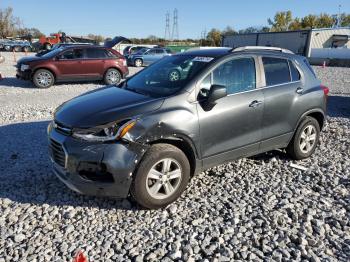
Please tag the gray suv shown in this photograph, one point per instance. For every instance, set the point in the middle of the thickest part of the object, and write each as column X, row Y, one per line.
column 186, row 113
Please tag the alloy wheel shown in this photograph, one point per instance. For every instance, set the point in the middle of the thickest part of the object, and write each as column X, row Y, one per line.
column 44, row 79
column 164, row 178
column 307, row 139
column 113, row 77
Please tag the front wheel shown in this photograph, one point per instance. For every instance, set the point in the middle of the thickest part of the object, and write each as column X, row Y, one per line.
column 161, row 177
column 305, row 139
column 138, row 62
column 43, row 78
column 112, row 77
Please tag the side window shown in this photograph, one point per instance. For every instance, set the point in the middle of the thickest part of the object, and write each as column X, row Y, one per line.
column 276, row 70
column 238, row 75
column 294, row 71
column 151, row 52
column 95, row 53
column 72, row 54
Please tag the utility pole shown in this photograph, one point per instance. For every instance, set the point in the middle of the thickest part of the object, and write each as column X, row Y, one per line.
column 167, row 26
column 175, row 33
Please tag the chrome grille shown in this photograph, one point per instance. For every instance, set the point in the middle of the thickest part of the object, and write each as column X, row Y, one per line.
column 57, row 153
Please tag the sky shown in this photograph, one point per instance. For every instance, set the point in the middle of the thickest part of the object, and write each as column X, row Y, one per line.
column 139, row 18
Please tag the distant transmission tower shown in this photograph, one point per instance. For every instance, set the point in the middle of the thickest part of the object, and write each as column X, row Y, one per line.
column 175, row 33
column 167, row 26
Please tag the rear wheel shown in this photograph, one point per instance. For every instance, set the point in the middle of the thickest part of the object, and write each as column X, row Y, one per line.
column 43, row 78
column 26, row 49
column 161, row 177
column 138, row 62
column 17, row 48
column 305, row 139
column 112, row 76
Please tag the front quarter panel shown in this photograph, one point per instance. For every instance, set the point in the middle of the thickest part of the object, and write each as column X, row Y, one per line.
column 176, row 119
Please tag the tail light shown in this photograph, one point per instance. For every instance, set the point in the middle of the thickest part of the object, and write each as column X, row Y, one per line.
column 325, row 90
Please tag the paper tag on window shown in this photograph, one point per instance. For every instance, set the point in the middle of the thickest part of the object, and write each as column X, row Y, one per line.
column 205, row 59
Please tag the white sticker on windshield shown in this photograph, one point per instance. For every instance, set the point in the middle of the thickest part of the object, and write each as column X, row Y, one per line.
column 205, row 59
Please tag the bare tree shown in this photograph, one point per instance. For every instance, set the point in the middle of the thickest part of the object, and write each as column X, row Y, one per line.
column 8, row 23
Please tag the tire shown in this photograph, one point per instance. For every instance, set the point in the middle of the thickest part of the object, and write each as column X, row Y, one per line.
column 112, row 76
column 26, row 49
column 43, row 78
column 7, row 48
column 138, row 62
column 47, row 46
column 17, row 49
column 144, row 180
column 305, row 139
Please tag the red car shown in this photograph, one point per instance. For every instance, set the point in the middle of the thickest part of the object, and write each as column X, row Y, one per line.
column 74, row 63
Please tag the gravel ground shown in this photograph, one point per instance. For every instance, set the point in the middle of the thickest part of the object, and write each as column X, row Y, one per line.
column 255, row 208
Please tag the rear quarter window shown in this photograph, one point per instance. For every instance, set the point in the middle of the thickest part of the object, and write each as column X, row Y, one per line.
column 276, row 70
column 306, row 62
column 294, row 72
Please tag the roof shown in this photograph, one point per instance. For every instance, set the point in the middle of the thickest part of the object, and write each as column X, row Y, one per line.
column 213, row 52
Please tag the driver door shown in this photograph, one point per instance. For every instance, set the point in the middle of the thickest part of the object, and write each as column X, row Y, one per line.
column 232, row 127
column 70, row 64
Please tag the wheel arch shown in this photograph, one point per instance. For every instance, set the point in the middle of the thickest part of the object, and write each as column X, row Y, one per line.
column 186, row 146
column 113, row 67
column 46, row 68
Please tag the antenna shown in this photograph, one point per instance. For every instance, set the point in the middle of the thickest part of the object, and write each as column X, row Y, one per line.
column 175, row 33
column 167, row 26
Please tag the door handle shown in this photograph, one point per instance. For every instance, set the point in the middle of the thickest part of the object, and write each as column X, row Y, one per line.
column 255, row 103
column 299, row 90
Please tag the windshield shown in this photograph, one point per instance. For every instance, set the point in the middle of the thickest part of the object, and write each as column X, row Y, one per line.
column 53, row 52
column 167, row 76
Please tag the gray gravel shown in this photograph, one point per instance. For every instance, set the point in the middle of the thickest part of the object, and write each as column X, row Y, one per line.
column 255, row 208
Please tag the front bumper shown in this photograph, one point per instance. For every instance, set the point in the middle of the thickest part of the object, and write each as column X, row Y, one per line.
column 98, row 169
column 25, row 75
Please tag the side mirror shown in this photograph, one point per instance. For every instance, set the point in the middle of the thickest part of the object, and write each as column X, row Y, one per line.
column 216, row 92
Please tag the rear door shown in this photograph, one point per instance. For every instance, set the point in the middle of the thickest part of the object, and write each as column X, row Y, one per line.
column 283, row 88
column 96, row 61
column 232, row 127
column 69, row 64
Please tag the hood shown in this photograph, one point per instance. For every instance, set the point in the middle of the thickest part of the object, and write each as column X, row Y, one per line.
column 28, row 59
column 103, row 106
column 116, row 40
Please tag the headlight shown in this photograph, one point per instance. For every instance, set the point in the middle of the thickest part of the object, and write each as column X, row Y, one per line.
column 110, row 132
column 24, row 67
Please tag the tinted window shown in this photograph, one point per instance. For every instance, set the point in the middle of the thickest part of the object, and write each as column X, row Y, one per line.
column 152, row 52
column 238, row 75
column 294, row 72
column 276, row 71
column 160, row 51
column 72, row 54
column 95, row 53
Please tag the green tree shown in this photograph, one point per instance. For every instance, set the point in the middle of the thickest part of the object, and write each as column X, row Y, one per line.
column 295, row 24
column 345, row 19
column 214, row 37
column 281, row 21
column 228, row 31
column 325, row 21
column 309, row 21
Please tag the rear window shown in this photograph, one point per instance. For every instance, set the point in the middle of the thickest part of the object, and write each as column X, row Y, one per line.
column 276, row 71
column 294, row 72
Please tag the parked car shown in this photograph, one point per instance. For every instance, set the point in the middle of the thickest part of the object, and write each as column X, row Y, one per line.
column 56, row 46
column 147, row 56
column 17, row 46
column 149, row 135
column 129, row 50
column 73, row 63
